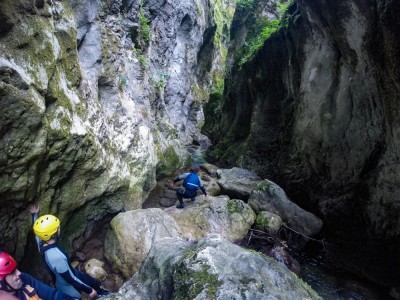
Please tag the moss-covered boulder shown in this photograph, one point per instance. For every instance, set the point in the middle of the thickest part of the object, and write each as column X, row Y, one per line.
column 132, row 234
column 231, row 218
column 268, row 222
column 268, row 196
column 213, row 268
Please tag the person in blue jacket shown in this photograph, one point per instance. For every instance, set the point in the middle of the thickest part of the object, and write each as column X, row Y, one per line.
column 18, row 285
column 191, row 183
column 66, row 279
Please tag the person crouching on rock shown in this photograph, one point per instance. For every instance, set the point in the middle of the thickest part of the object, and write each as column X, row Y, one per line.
column 191, row 183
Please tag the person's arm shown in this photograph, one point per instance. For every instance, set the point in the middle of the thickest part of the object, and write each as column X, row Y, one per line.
column 44, row 291
column 202, row 187
column 180, row 177
column 34, row 210
column 60, row 265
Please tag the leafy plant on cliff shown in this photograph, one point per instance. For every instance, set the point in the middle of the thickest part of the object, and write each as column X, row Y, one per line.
column 141, row 34
column 144, row 29
column 261, row 29
column 142, row 59
column 264, row 28
column 122, row 82
column 161, row 81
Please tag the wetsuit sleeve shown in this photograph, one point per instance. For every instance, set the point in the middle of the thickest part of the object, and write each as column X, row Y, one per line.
column 181, row 177
column 202, row 187
column 62, row 267
column 38, row 241
column 203, row 190
column 43, row 290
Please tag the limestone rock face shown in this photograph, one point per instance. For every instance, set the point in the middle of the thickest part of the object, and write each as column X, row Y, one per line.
column 132, row 235
column 97, row 97
column 315, row 110
column 213, row 268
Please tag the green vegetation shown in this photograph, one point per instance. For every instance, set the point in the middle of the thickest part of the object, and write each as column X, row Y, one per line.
column 188, row 285
column 141, row 37
column 122, row 82
column 144, row 28
column 227, row 150
column 261, row 29
column 265, row 29
column 263, row 185
column 233, row 207
column 200, row 94
column 142, row 59
column 244, row 4
column 169, row 161
column 262, row 221
column 160, row 82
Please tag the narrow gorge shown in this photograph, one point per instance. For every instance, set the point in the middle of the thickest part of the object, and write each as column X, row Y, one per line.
column 102, row 100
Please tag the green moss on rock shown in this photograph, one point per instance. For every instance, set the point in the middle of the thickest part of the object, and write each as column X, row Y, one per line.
column 233, row 207
column 263, row 185
column 169, row 161
column 189, row 284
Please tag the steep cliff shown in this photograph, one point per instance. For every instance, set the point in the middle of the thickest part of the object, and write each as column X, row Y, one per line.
column 98, row 98
column 316, row 110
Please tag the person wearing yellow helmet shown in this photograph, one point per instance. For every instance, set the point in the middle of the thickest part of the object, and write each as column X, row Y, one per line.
column 46, row 226
column 66, row 279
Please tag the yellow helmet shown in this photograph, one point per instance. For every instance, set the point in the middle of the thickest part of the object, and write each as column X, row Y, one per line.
column 46, row 226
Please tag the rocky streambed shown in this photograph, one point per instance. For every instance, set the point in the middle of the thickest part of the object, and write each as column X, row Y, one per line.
column 160, row 226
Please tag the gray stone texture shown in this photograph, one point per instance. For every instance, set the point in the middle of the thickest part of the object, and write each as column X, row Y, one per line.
column 316, row 111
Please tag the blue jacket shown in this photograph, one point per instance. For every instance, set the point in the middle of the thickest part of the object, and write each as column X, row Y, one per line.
column 42, row 290
column 195, row 184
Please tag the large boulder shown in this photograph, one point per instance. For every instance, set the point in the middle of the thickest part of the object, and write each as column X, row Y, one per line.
column 237, row 182
column 268, row 196
column 132, row 234
column 214, row 268
column 230, row 218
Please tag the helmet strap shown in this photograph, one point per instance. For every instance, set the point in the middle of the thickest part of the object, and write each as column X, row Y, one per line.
column 6, row 287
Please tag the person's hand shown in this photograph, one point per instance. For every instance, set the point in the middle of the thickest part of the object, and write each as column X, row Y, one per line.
column 33, row 208
column 93, row 294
